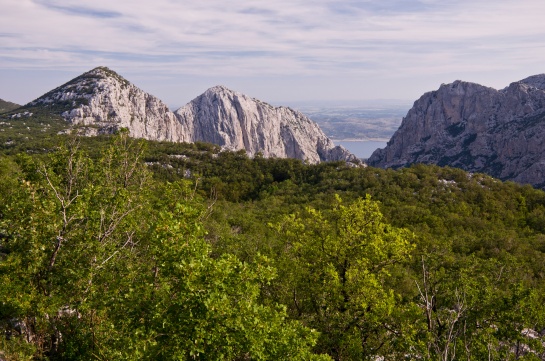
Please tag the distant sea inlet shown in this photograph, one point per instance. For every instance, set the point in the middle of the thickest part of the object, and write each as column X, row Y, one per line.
column 361, row 148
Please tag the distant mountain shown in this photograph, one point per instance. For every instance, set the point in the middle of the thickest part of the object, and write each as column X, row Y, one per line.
column 476, row 128
column 236, row 121
column 368, row 120
column 101, row 101
column 6, row 106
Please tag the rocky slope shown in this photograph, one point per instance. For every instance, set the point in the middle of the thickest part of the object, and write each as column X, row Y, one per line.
column 236, row 121
column 101, row 101
column 476, row 128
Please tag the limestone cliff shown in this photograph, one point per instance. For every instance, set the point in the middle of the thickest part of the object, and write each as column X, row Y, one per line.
column 476, row 128
column 236, row 121
column 101, row 101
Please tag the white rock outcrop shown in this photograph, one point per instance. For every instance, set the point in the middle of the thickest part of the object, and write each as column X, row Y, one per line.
column 236, row 121
column 476, row 128
column 101, row 101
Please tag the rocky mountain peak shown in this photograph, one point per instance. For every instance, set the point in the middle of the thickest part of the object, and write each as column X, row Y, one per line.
column 236, row 121
column 104, row 73
column 223, row 95
column 461, row 88
column 536, row 81
column 81, row 88
column 101, row 101
column 219, row 89
column 219, row 96
column 476, row 128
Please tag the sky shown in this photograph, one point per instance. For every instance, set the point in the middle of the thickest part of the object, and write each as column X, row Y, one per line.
column 280, row 51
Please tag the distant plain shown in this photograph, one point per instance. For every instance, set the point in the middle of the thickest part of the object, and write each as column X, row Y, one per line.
column 360, row 128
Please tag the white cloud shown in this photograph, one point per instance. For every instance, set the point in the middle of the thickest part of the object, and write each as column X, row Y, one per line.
column 389, row 38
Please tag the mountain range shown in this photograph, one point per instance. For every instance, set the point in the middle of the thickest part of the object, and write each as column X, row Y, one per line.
column 476, row 128
column 462, row 124
column 101, row 101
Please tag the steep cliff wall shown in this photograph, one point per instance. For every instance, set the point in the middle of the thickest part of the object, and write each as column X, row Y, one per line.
column 476, row 128
column 236, row 121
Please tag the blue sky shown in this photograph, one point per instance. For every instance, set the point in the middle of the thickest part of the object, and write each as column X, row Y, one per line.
column 281, row 51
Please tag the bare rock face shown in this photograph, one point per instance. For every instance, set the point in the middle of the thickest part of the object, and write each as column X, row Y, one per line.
column 236, row 121
column 476, row 128
column 101, row 101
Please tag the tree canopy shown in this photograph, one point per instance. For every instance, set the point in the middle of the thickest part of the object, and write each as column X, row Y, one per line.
column 113, row 248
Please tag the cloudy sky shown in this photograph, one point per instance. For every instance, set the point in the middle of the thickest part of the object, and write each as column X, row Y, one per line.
column 281, row 51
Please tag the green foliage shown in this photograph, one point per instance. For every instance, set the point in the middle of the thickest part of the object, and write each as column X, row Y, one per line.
column 335, row 268
column 477, row 235
column 469, row 316
column 33, row 134
column 112, row 248
column 201, row 308
column 6, row 106
column 100, row 262
column 69, row 228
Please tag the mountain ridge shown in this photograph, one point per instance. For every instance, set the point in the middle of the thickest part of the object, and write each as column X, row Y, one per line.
column 101, row 101
column 236, row 121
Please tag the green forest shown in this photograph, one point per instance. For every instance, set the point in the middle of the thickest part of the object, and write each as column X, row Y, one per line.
column 113, row 248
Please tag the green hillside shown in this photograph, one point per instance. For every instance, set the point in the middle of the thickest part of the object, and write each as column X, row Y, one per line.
column 6, row 106
column 119, row 249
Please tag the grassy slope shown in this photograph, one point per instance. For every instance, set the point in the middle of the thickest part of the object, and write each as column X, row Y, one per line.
column 6, row 106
